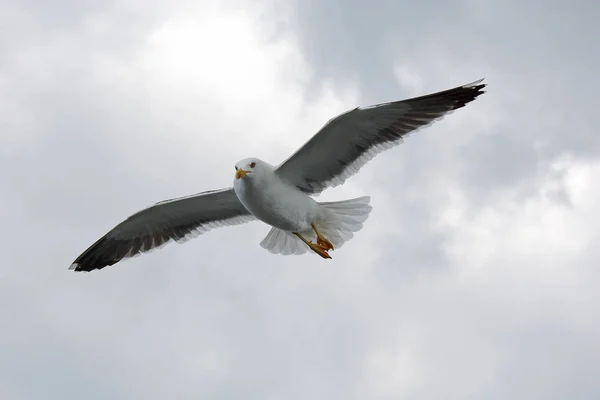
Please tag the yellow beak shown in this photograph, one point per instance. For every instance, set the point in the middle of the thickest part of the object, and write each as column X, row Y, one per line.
column 240, row 173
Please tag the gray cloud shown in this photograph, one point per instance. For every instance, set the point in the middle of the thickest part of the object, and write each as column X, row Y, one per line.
column 473, row 278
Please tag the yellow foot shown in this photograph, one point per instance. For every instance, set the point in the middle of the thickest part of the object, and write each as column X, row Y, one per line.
column 320, row 250
column 316, row 247
column 322, row 241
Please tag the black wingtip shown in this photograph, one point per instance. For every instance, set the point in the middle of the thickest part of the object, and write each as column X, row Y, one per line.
column 77, row 267
column 96, row 256
column 476, row 86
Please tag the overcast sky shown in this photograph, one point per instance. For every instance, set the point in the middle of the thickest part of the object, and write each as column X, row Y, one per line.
column 475, row 277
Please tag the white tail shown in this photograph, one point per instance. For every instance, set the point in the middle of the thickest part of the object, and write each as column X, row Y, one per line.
column 337, row 221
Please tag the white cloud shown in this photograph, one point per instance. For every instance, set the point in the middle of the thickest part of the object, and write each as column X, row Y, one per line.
column 540, row 236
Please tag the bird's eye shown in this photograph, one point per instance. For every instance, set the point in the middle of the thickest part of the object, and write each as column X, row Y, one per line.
column 252, row 164
column 236, row 167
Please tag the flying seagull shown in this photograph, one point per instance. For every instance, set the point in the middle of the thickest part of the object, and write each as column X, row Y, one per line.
column 281, row 196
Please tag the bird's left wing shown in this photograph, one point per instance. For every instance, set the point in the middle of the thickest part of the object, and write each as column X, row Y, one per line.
column 350, row 140
column 178, row 219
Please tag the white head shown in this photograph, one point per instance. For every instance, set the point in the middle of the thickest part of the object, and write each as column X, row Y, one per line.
column 250, row 168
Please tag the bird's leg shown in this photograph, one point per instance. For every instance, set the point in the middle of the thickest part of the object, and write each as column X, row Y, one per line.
column 320, row 250
column 322, row 240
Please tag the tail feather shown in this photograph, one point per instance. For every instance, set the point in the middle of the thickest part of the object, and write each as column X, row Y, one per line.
column 337, row 221
column 278, row 241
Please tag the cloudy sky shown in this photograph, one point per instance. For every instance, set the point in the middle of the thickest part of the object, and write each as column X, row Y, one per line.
column 475, row 277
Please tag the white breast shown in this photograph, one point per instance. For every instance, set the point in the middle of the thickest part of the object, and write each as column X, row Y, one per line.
column 275, row 202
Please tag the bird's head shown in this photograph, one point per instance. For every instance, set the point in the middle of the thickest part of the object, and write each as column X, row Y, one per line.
column 248, row 167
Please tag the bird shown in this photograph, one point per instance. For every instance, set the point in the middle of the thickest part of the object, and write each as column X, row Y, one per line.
column 282, row 196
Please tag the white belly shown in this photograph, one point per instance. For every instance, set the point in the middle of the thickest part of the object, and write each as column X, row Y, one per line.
column 277, row 204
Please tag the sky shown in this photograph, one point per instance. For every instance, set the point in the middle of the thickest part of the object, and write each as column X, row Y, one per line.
column 475, row 277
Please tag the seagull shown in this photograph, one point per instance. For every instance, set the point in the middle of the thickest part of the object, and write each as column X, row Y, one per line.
column 281, row 196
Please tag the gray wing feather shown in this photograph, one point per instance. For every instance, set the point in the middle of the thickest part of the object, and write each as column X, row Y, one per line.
column 178, row 219
column 350, row 140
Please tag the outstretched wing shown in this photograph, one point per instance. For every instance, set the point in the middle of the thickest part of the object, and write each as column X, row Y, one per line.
column 178, row 219
column 350, row 140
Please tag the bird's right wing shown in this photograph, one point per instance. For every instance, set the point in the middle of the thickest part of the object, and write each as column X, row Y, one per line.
column 178, row 219
column 347, row 142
